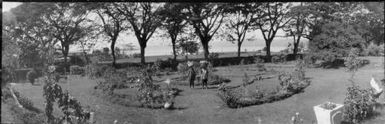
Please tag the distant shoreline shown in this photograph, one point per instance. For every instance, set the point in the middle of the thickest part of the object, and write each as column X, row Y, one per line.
column 181, row 57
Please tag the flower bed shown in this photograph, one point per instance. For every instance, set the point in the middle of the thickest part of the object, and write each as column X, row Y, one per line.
column 229, row 96
column 290, row 84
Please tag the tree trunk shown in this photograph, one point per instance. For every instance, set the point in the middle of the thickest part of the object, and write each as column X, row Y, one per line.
column 268, row 54
column 113, row 53
column 295, row 50
column 206, row 50
column 239, row 49
column 173, row 48
column 65, row 54
column 142, row 59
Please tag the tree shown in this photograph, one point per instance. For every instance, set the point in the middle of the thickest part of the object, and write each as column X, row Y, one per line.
column 173, row 23
column 206, row 18
column 144, row 20
column 371, row 22
column 113, row 24
column 27, row 27
column 272, row 22
column 240, row 18
column 297, row 27
column 69, row 24
column 335, row 41
column 187, row 46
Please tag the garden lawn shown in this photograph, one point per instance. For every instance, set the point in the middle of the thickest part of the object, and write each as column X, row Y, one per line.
column 198, row 106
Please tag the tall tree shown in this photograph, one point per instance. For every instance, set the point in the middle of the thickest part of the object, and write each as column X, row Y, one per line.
column 239, row 21
column 173, row 23
column 144, row 20
column 69, row 24
column 113, row 24
column 272, row 22
column 206, row 18
column 297, row 27
column 31, row 32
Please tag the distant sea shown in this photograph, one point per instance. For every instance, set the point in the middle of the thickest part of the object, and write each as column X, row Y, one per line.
column 163, row 47
column 217, row 46
column 167, row 50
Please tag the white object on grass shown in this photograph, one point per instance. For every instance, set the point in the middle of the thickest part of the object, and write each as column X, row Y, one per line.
column 375, row 86
column 167, row 81
column 167, row 105
column 189, row 63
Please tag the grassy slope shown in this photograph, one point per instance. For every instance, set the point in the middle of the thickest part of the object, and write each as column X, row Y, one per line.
column 203, row 106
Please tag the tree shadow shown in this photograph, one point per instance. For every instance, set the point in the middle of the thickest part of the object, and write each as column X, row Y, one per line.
column 177, row 108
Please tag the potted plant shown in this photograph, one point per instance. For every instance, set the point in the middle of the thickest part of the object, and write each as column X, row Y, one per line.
column 328, row 113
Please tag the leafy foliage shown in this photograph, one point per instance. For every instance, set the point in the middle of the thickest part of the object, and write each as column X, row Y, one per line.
column 358, row 104
column 335, row 41
column 290, row 84
column 53, row 92
column 197, row 14
column 352, row 63
column 144, row 19
column 151, row 95
column 374, row 50
column 77, row 70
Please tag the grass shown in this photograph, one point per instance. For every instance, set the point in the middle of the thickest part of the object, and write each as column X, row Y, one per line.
column 197, row 106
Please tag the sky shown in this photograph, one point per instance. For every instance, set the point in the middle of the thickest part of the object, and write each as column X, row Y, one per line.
column 9, row 5
column 158, row 45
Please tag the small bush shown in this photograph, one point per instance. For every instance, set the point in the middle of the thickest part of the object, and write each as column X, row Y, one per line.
column 169, row 63
column 278, row 58
column 32, row 75
column 374, row 50
column 352, row 63
column 25, row 102
column 358, row 104
column 95, row 70
column 136, row 55
column 28, row 117
column 151, row 95
column 77, row 70
column 77, row 60
column 258, row 60
column 261, row 67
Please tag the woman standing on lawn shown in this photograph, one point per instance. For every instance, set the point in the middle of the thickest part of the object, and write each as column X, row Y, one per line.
column 191, row 74
column 204, row 75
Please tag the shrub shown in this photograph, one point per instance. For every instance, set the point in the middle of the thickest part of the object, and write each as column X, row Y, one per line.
column 32, row 75
column 278, row 58
column 258, row 60
column 25, row 102
column 77, row 70
column 169, row 63
column 95, row 70
column 136, row 55
column 212, row 56
column 151, row 95
column 28, row 117
column 374, row 50
column 358, row 104
column 77, row 60
column 5, row 93
column 352, row 63
column 261, row 67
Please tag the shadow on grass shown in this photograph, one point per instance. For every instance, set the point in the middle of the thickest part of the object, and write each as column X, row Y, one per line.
column 212, row 87
column 177, row 108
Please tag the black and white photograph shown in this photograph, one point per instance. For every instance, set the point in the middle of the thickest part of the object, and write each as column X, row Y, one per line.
column 192, row 62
